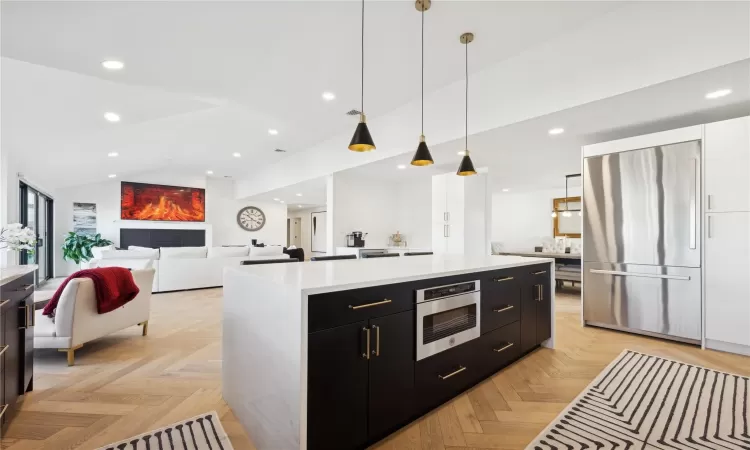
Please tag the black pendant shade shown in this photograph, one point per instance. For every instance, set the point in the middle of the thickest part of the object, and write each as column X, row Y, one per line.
column 466, row 167
column 362, row 141
column 422, row 156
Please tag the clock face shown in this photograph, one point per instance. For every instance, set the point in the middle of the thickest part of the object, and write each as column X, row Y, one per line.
column 251, row 218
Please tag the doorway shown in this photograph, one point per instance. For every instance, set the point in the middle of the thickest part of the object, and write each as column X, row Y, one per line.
column 294, row 232
column 36, row 212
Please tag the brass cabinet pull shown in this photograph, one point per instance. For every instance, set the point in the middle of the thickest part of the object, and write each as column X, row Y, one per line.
column 539, row 273
column 505, row 347
column 504, row 308
column 460, row 369
column 25, row 317
column 2, row 350
column 3, row 302
column 366, row 354
column 32, row 311
column 386, row 301
column 25, row 287
column 2, row 411
column 377, row 340
column 501, row 279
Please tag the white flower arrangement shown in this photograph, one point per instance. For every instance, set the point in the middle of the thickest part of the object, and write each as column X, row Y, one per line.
column 17, row 237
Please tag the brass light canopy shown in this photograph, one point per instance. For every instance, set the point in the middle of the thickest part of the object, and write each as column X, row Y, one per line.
column 422, row 156
column 466, row 168
column 362, row 140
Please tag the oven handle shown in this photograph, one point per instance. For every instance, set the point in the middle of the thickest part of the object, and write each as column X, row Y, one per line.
column 445, row 377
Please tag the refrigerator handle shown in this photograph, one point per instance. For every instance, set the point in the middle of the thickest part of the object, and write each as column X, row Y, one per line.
column 694, row 207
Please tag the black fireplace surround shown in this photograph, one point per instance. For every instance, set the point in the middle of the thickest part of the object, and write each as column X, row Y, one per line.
column 159, row 237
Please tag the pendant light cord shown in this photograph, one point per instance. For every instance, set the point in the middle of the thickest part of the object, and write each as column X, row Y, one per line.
column 362, row 55
column 466, row 123
column 423, row 69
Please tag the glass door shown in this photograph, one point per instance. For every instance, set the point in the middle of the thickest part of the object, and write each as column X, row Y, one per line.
column 36, row 213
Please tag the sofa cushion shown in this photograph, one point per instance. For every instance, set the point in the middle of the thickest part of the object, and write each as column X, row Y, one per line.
column 44, row 326
column 154, row 252
column 267, row 251
column 223, row 252
column 183, row 252
column 127, row 254
column 97, row 251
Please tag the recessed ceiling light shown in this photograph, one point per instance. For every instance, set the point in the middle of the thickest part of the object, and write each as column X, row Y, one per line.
column 505, row 189
column 282, row 201
column 111, row 64
column 209, row 172
column 299, row 206
column 236, row 155
column 719, row 93
column 111, row 175
column 276, row 199
column 555, row 131
column 401, row 166
column 273, row 132
column 113, row 154
column 328, row 96
column 461, row 153
column 112, row 117
column 298, row 195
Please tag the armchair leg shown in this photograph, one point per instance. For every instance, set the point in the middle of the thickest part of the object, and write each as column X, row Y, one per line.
column 71, row 353
column 145, row 327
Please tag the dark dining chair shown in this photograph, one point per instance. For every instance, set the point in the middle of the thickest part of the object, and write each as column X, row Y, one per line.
column 417, row 253
column 332, row 258
column 380, row 255
column 268, row 261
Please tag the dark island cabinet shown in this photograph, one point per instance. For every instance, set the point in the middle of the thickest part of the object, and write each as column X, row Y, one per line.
column 360, row 381
column 536, row 313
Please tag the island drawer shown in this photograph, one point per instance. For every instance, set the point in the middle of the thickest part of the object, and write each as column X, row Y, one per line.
column 18, row 289
column 501, row 299
column 499, row 348
column 334, row 309
column 446, row 374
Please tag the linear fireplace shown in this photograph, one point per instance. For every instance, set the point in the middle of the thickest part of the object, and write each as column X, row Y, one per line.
column 161, row 237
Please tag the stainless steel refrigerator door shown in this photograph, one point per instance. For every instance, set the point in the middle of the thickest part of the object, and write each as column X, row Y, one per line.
column 642, row 206
column 660, row 300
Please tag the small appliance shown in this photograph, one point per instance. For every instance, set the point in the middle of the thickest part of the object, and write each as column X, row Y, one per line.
column 355, row 239
column 447, row 316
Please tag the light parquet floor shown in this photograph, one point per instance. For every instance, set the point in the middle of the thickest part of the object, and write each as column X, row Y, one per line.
column 125, row 384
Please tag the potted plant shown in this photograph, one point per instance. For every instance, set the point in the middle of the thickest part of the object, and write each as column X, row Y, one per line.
column 16, row 237
column 77, row 247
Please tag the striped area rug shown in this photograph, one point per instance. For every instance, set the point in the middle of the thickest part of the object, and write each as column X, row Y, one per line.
column 644, row 402
column 202, row 432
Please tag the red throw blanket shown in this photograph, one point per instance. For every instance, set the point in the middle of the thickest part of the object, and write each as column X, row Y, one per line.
column 114, row 286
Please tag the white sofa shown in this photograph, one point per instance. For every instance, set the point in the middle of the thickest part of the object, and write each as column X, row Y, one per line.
column 78, row 322
column 180, row 268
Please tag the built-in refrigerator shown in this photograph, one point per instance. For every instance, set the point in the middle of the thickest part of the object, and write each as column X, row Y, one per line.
column 641, row 241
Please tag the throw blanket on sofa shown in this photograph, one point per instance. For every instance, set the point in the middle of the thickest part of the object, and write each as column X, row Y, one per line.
column 114, row 287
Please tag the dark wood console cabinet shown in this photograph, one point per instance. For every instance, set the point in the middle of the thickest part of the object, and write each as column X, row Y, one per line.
column 363, row 380
column 16, row 343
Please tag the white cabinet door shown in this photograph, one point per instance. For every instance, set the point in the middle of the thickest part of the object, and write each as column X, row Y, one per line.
column 728, row 277
column 727, row 168
column 439, row 216
column 454, row 195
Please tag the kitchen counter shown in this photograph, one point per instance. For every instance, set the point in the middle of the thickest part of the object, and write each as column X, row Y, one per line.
column 12, row 273
column 267, row 316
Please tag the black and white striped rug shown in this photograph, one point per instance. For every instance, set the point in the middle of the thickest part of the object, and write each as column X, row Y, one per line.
column 202, row 432
column 644, row 402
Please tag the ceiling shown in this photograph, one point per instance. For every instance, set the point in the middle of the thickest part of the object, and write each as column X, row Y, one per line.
column 203, row 80
column 523, row 156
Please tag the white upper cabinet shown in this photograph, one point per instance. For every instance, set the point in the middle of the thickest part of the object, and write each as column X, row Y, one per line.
column 460, row 214
column 727, row 165
column 727, row 265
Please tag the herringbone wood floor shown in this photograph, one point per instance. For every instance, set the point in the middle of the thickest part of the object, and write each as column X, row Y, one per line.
column 125, row 384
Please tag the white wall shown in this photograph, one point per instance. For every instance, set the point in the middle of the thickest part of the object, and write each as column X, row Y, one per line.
column 305, row 225
column 521, row 220
column 381, row 208
column 221, row 212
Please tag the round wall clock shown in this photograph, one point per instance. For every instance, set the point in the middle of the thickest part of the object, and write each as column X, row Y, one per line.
column 251, row 218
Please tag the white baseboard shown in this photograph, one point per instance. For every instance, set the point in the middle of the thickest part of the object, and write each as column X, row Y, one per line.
column 728, row 347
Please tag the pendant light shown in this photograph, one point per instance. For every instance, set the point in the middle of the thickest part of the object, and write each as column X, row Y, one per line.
column 422, row 156
column 466, row 167
column 568, row 212
column 362, row 141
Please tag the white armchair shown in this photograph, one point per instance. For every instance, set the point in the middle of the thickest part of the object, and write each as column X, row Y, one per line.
column 77, row 320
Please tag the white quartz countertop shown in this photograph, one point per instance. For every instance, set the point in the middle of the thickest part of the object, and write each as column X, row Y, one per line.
column 313, row 277
column 8, row 274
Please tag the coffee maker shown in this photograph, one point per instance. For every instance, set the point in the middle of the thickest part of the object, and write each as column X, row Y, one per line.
column 355, row 239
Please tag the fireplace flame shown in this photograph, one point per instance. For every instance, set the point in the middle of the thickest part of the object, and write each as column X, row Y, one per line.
column 168, row 210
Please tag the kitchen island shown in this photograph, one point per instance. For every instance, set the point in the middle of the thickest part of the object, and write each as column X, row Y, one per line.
column 339, row 354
